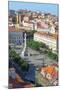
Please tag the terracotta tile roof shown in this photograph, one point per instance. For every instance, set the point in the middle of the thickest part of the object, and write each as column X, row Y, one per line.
column 13, row 29
column 48, row 69
column 53, row 36
column 51, row 70
column 42, row 25
column 29, row 22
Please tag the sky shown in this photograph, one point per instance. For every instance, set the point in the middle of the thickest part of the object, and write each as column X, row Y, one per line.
column 46, row 8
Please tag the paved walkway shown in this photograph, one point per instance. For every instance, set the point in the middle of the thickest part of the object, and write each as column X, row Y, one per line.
column 39, row 59
column 36, row 58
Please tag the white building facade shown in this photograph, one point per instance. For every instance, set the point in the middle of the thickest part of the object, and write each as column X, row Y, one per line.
column 31, row 25
column 50, row 41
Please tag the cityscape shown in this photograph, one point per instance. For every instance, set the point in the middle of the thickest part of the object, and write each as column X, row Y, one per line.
column 33, row 46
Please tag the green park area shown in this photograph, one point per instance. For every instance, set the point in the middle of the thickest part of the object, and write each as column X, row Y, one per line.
column 41, row 47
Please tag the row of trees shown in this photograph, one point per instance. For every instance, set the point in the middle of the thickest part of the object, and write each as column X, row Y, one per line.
column 35, row 45
column 52, row 55
column 40, row 46
column 16, row 58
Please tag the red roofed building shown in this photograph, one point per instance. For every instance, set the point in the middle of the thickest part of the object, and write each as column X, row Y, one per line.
column 50, row 72
column 42, row 25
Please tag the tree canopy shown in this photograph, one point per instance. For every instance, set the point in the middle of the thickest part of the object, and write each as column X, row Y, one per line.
column 17, row 59
column 35, row 45
column 14, row 20
column 52, row 55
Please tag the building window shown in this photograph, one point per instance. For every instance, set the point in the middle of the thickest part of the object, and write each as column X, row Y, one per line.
column 19, row 42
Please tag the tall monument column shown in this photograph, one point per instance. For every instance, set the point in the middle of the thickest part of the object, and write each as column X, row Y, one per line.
column 24, row 48
column 17, row 18
column 25, row 40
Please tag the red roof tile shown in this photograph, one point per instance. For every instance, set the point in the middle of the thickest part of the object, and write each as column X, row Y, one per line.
column 51, row 70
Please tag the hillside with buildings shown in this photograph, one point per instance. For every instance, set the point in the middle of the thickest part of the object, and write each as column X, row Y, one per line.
column 36, row 35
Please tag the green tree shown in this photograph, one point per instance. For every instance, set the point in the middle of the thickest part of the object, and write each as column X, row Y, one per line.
column 16, row 58
column 42, row 45
column 14, row 20
column 52, row 55
column 30, row 34
column 35, row 45
column 24, row 66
